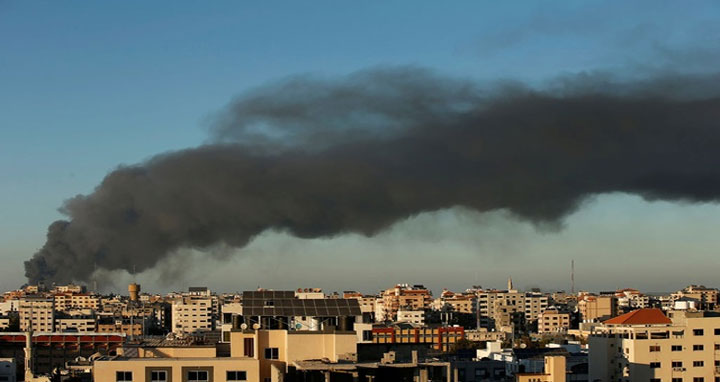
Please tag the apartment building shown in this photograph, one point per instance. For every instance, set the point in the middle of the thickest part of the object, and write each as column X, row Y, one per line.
column 230, row 313
column 511, row 308
column 416, row 317
column 79, row 321
column 456, row 302
column 630, row 299
column 442, row 338
column 129, row 327
column 594, row 308
column 68, row 288
column 192, row 314
column 4, row 322
column 37, row 314
column 366, row 302
column 646, row 345
column 68, row 301
column 255, row 355
column 553, row 320
column 706, row 298
column 417, row 297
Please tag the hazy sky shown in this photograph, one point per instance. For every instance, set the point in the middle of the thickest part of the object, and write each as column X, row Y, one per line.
column 87, row 86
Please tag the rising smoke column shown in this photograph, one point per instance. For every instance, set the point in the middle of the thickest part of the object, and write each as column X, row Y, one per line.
column 317, row 158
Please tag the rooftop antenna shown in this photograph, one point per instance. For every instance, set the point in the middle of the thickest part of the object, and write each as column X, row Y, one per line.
column 95, row 288
column 572, row 276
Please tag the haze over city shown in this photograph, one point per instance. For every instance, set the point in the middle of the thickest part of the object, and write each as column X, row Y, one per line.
column 98, row 89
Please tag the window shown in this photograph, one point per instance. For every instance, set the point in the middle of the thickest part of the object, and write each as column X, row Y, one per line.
column 676, row 348
column 698, row 347
column 654, row 365
column 123, row 376
column 698, row 332
column 197, row 376
column 677, row 380
column 717, row 332
column 698, row 363
column 698, row 379
column 248, row 344
column 654, row 348
column 676, row 363
column 654, row 379
column 481, row 373
column 236, row 376
column 367, row 335
column 158, row 376
column 271, row 353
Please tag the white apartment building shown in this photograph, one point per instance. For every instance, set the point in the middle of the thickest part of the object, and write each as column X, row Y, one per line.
column 416, row 317
column 37, row 314
column 192, row 314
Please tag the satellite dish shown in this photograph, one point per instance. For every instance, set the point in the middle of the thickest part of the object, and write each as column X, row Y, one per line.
column 243, row 326
column 256, row 326
column 298, row 326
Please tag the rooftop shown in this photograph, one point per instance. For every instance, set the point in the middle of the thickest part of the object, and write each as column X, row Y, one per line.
column 640, row 317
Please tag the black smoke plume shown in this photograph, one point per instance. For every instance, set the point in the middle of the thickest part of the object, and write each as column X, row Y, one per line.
column 317, row 158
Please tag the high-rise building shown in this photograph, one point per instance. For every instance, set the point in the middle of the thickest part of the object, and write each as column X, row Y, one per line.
column 37, row 314
column 192, row 314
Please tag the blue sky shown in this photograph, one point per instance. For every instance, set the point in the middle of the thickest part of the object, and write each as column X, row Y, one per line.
column 87, row 86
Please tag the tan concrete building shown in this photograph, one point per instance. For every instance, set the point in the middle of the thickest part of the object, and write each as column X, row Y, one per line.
column 120, row 325
column 4, row 322
column 707, row 298
column 277, row 349
column 416, row 297
column 553, row 321
column 506, row 306
column 262, row 355
column 80, row 324
column 597, row 308
column 69, row 301
column 553, row 371
column 367, row 303
column 192, row 314
column 37, row 314
column 456, row 302
column 483, row 334
column 645, row 345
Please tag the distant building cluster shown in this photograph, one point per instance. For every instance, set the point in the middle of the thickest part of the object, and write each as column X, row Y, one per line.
column 402, row 333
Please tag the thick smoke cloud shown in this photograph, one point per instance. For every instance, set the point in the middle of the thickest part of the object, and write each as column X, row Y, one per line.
column 318, row 158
